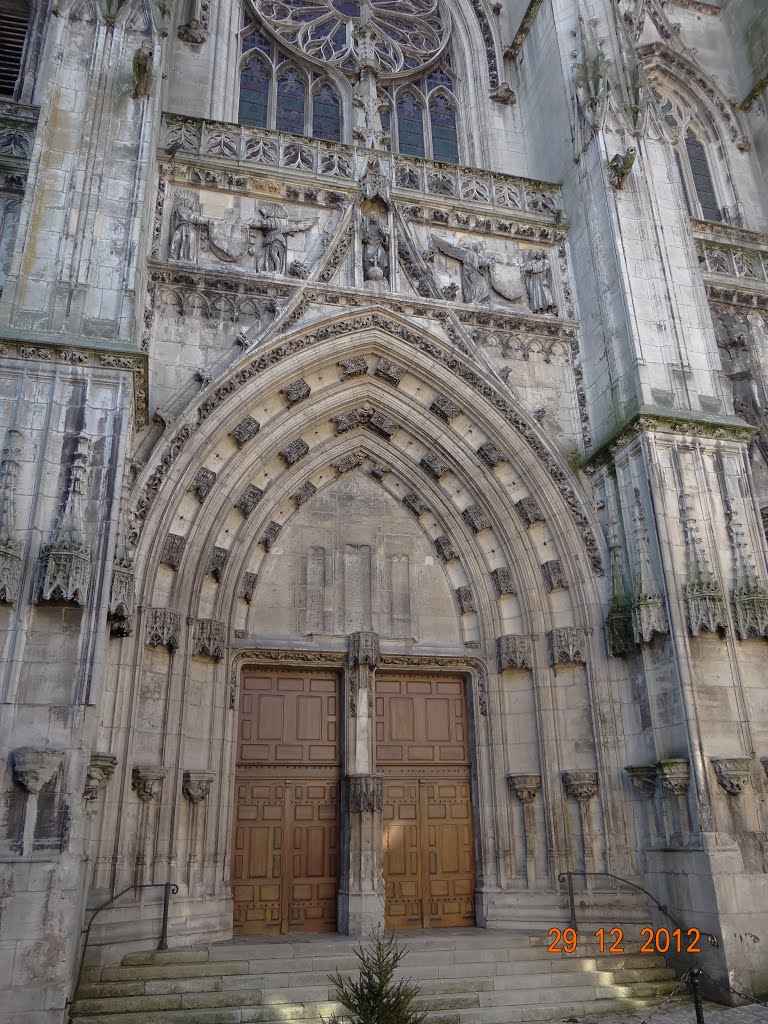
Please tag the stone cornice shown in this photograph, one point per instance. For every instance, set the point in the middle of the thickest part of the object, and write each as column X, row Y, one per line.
column 728, row 234
column 683, row 423
column 81, row 352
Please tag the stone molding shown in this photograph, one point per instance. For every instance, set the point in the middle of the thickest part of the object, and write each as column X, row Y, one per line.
column 196, row 785
column 33, row 768
column 162, row 628
column 100, row 770
column 525, row 787
column 209, row 638
column 733, row 773
column 365, row 793
column 580, row 784
column 147, row 782
column 568, row 645
column 10, row 544
column 514, row 650
column 674, row 774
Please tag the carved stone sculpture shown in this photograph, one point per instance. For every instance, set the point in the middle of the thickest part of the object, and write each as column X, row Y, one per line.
column 620, row 166
column 538, row 280
column 162, row 627
column 514, row 651
column 33, row 768
column 733, row 773
column 192, row 33
column 142, row 70
column 568, row 645
column 375, row 239
column 100, row 769
column 10, row 544
column 274, row 222
column 147, row 782
column 674, row 774
column 525, row 787
column 208, row 638
column 365, row 793
column 503, row 581
column 474, row 285
column 185, row 217
column 580, row 784
column 196, row 785
column 363, row 649
column 644, row 777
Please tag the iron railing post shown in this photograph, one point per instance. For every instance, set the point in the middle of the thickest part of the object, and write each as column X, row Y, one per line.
column 696, row 990
column 163, row 943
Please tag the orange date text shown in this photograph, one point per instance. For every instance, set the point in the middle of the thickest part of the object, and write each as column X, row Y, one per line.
column 652, row 940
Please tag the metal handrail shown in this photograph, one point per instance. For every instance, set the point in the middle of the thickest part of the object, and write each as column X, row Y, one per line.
column 568, row 876
column 169, row 887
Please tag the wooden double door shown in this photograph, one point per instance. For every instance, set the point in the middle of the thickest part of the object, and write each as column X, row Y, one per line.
column 285, row 861
column 422, row 749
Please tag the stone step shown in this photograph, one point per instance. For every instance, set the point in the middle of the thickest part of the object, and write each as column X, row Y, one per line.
column 169, row 1001
column 168, row 956
column 165, row 971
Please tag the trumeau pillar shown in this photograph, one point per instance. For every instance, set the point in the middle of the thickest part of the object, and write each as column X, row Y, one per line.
column 361, row 895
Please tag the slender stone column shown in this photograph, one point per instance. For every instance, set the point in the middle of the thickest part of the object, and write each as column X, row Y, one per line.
column 525, row 788
column 582, row 786
column 33, row 769
column 361, row 896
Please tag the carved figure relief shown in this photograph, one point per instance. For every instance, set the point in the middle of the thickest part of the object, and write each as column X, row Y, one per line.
column 142, row 70
column 375, row 239
column 185, row 216
column 538, row 281
column 275, row 224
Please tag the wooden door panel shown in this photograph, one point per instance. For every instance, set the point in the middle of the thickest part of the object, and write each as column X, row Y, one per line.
column 421, row 721
column 402, row 861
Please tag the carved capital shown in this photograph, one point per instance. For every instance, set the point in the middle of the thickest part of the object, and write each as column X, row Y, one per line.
column 33, row 768
column 147, row 782
column 643, row 778
column 162, row 627
column 674, row 774
column 363, row 650
column 580, row 784
column 100, row 769
column 525, row 787
column 365, row 793
column 196, row 785
column 568, row 645
column 514, row 651
column 733, row 773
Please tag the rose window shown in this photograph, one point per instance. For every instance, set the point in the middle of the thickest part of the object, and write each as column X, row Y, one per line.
column 407, row 34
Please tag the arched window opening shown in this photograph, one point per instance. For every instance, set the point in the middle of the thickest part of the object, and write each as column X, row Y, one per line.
column 702, row 177
column 445, row 141
column 14, row 17
column 254, row 93
column 291, row 97
column 326, row 113
column 410, row 125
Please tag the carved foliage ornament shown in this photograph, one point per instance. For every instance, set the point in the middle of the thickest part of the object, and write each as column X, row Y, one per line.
column 196, row 786
column 525, row 787
column 514, row 651
column 365, row 793
column 568, row 645
column 580, row 784
column 733, row 773
column 208, row 638
column 147, row 782
column 162, row 627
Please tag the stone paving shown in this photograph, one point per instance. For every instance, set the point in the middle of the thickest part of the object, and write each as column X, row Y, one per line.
column 679, row 1014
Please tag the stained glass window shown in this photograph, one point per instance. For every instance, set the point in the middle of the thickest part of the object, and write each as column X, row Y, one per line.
column 410, row 125
column 702, row 177
column 291, row 95
column 254, row 92
column 326, row 113
column 445, row 143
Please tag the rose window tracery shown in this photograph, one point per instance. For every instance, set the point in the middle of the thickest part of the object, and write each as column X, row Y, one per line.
column 407, row 34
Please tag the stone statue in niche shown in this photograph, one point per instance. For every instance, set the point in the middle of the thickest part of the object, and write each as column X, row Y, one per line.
column 185, row 217
column 484, row 276
column 538, row 279
column 142, row 70
column 274, row 221
column 375, row 239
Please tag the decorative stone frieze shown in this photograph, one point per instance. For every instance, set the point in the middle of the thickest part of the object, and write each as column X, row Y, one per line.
column 390, row 372
column 476, row 518
column 245, row 430
column 122, row 593
column 580, row 784
column 554, row 575
column 203, row 483
column 296, row 392
column 674, row 774
column 466, row 600
column 503, row 581
column 100, row 770
column 296, row 450
column 173, row 550
column 514, row 650
column 218, row 561
column 445, row 549
column 568, row 645
column 147, row 782
column 491, row 454
column 196, row 785
column 33, row 768
column 528, row 510
column 525, row 787
column 415, row 503
column 434, row 466
column 162, row 627
column 64, row 571
column 644, row 778
column 365, row 793
column 350, row 461
column 444, row 408
column 304, row 493
column 704, row 599
column 208, row 638
column 270, row 535
column 355, row 366
column 10, row 544
column 249, row 499
column 733, row 773
column 248, row 585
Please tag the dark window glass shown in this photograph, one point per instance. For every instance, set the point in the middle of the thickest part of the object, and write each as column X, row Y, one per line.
column 410, row 125
column 14, row 18
column 254, row 93
column 326, row 114
column 290, row 102
column 445, row 143
column 256, row 41
column 439, row 77
column 702, row 178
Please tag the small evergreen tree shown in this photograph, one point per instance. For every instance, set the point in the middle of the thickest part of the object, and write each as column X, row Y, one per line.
column 375, row 998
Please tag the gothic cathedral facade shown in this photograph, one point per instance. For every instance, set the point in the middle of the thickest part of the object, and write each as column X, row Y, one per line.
column 384, row 471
